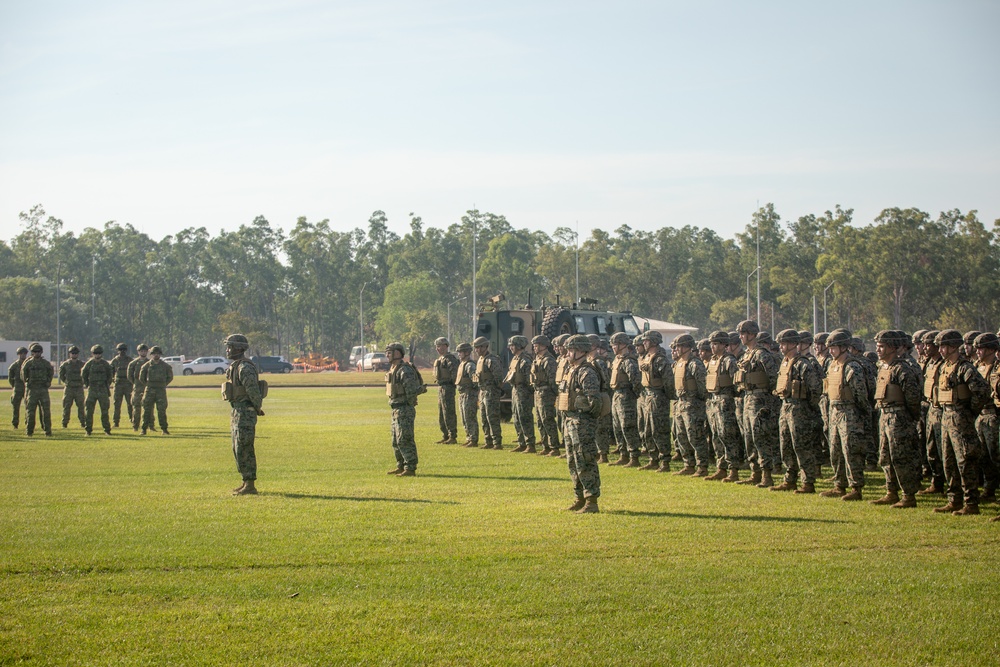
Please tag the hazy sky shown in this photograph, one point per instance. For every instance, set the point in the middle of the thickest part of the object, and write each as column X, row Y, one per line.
column 175, row 114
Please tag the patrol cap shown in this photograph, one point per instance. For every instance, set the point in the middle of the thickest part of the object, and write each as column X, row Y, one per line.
column 949, row 337
column 839, row 338
column 748, row 327
column 518, row 341
column 578, row 342
column 142, row 346
column 22, row 350
column 97, row 349
column 121, row 347
column 441, row 340
column 821, row 338
column 789, row 336
column 805, row 338
column 929, row 337
column 155, row 350
column 987, row 341
column 620, row 338
column 654, row 337
column 718, row 336
column 888, row 338
column 463, row 347
column 705, row 344
column 734, row 338
column 857, row 344
column 540, row 340
column 482, row 341
column 395, row 347
column 236, row 340
column 684, row 340
column 73, row 349
column 970, row 337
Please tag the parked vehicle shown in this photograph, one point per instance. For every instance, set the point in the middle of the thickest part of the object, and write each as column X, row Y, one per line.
column 374, row 361
column 357, row 354
column 272, row 364
column 206, row 365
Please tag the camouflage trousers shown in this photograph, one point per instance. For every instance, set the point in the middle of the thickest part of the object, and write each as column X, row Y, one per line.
column 38, row 399
column 798, row 429
column 935, row 460
column 581, row 451
column 823, row 446
column 654, row 414
column 154, row 397
column 847, row 444
column 899, row 450
column 960, row 450
column 16, row 398
column 489, row 416
column 123, row 392
column 726, row 437
column 624, row 422
column 760, row 431
column 136, row 414
column 989, row 442
column 73, row 395
column 404, row 447
column 468, row 405
column 605, row 434
column 691, row 424
column 545, row 413
column 244, row 427
column 522, row 401
column 97, row 396
column 447, row 417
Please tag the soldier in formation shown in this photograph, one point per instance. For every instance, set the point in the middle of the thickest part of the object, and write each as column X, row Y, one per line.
column 799, row 387
column 721, row 411
column 36, row 373
column 468, row 394
column 522, row 398
column 156, row 374
column 242, row 390
column 543, row 381
column 123, row 386
column 847, row 392
column 489, row 376
column 756, row 377
column 138, row 387
column 580, row 402
column 626, row 386
column 690, row 418
column 16, row 385
column 97, row 377
column 445, row 369
column 71, row 377
column 654, row 405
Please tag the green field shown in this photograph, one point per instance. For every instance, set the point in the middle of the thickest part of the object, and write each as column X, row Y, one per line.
column 129, row 550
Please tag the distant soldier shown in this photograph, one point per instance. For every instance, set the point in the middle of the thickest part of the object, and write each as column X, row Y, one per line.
column 522, row 398
column 799, row 387
column 138, row 388
column 721, row 410
column 605, row 429
column 822, row 448
column 543, row 381
column 97, row 376
column 402, row 387
column 562, row 370
column 445, row 368
column 847, row 391
column 626, row 386
column 489, row 377
column 581, row 406
column 897, row 396
column 987, row 345
column 823, row 359
column 468, row 395
column 70, row 375
column 690, row 418
column 871, row 439
column 36, row 373
column 123, row 386
column 969, row 345
column 932, row 414
column 155, row 375
column 640, row 416
column 657, row 392
column 705, row 351
column 757, row 377
column 242, row 390
column 962, row 394
column 17, row 385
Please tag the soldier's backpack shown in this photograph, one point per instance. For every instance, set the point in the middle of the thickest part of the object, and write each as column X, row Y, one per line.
column 421, row 388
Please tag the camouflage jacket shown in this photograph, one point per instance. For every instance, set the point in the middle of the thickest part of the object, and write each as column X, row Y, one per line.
column 445, row 369
column 899, row 374
column 97, row 374
column 243, row 373
column 489, row 372
column 156, row 374
column 70, row 372
column 401, row 384
column 37, row 373
column 119, row 367
column 14, row 375
column 689, row 379
column 543, row 373
column 133, row 371
column 625, row 374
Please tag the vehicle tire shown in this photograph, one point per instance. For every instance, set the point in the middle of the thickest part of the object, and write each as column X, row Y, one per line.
column 557, row 321
column 188, row 371
column 219, row 371
column 286, row 369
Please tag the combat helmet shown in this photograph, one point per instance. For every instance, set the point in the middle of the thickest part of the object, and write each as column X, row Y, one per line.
column 97, row 349
column 705, row 344
column 142, row 346
column 518, row 341
column 559, row 340
column 578, row 342
column 22, row 350
column 970, row 337
column 73, row 349
column 620, row 338
column 748, row 327
column 789, row 336
column 929, row 337
column 238, row 341
column 654, row 337
column 888, row 338
column 441, row 340
column 839, row 338
column 805, row 337
column 918, row 335
column 684, row 340
column 155, row 350
column 540, row 340
column 463, row 347
column 949, row 337
column 121, row 347
column 482, row 341
column 987, row 341
column 719, row 336
column 395, row 347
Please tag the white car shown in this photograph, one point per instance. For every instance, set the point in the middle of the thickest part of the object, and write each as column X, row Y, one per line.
column 206, row 365
column 374, row 361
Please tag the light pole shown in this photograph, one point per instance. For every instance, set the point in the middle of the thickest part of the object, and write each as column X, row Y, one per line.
column 361, row 313
column 576, row 237
column 749, row 276
column 462, row 298
column 824, row 304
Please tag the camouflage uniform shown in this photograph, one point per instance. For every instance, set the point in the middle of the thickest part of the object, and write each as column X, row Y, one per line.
column 156, row 375
column 562, row 371
column 489, row 376
column 847, row 390
column 70, row 375
column 36, row 373
column 401, row 387
column 522, row 398
column 721, row 412
column 543, row 381
column 871, row 426
column 756, row 376
column 17, row 389
column 445, row 367
column 654, row 405
column 799, row 387
column 690, row 417
column 986, row 423
column 97, row 376
column 583, row 387
column 138, row 389
column 245, row 401
column 932, row 419
column 605, row 423
column 626, row 385
column 468, row 400
column 897, row 395
column 123, row 387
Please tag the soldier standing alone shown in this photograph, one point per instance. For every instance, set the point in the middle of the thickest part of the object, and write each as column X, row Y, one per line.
column 445, row 367
column 17, row 385
column 402, row 388
column 242, row 390
column 97, row 376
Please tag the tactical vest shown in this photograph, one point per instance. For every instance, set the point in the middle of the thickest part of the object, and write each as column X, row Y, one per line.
column 444, row 373
column 38, row 375
column 716, row 379
column 787, row 387
column 539, row 374
column 134, row 367
column 886, row 392
column 681, row 379
column 949, row 391
column 157, row 375
column 516, row 374
column 988, row 371
column 74, row 376
column 14, row 375
column 100, row 374
column 120, row 367
column 233, row 389
column 646, row 366
column 930, row 382
column 394, row 383
column 463, row 378
column 836, row 386
column 619, row 379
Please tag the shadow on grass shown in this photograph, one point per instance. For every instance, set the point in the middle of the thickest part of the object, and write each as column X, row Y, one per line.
column 726, row 517
column 511, row 478
column 358, row 499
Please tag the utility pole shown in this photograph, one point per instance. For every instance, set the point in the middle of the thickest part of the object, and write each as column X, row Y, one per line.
column 361, row 314
column 462, row 298
column 474, row 302
column 825, row 328
column 577, row 238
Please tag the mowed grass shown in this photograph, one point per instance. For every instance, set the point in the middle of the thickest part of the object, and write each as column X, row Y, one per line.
column 129, row 550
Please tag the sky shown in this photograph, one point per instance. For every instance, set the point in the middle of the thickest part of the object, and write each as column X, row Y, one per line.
column 208, row 113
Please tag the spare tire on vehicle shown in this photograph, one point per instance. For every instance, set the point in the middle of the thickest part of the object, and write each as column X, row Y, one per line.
column 557, row 321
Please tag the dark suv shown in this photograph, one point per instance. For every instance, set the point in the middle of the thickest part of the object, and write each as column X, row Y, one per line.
column 272, row 364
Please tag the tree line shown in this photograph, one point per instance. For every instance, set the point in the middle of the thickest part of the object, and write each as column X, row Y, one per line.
column 316, row 289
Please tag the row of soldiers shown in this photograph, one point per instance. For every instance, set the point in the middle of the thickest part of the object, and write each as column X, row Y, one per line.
column 140, row 383
column 740, row 399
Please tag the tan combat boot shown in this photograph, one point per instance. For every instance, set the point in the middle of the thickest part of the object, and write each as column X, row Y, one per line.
column 590, row 507
column 890, row 498
column 652, row 465
column 530, row 449
column 519, row 449
column 753, row 479
column 835, row 492
column 807, row 487
column 248, row 489
column 602, row 458
column 733, row 476
column 719, row 475
column 952, row 506
column 785, row 486
column 686, row 470
column 855, row 494
column 702, row 471
column 623, row 459
column 767, row 481
column 633, row 461
column 664, row 466
column 967, row 510
column 908, row 500
column 577, row 505
column 394, row 471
